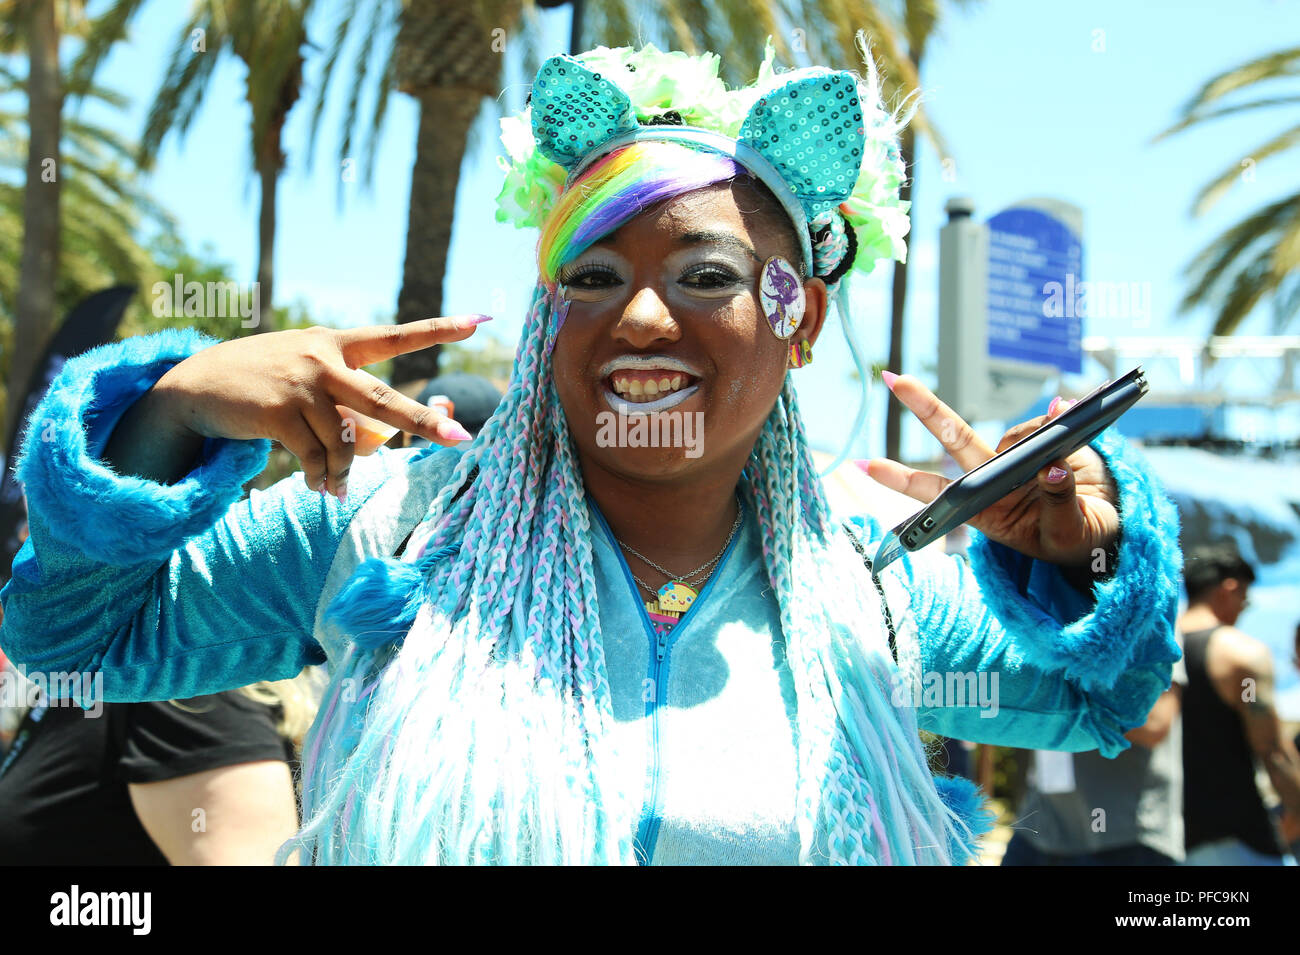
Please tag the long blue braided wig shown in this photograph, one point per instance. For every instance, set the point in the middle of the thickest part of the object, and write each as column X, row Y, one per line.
column 468, row 720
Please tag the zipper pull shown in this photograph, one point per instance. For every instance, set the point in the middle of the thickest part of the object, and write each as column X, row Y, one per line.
column 661, row 648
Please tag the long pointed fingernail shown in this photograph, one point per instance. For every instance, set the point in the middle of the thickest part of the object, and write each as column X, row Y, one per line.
column 890, row 378
column 1051, row 409
column 453, row 431
column 1056, row 475
column 469, row 321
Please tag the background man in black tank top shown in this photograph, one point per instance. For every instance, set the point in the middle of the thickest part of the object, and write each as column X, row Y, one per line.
column 1229, row 720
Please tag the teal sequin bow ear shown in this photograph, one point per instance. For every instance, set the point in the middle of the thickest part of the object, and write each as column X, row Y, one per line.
column 810, row 129
column 804, row 137
column 576, row 110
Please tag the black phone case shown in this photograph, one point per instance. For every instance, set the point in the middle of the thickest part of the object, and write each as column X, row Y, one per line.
column 1017, row 465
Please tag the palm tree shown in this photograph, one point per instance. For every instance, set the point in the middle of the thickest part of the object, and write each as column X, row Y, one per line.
column 267, row 36
column 36, row 26
column 99, row 246
column 441, row 55
column 446, row 55
column 1258, row 258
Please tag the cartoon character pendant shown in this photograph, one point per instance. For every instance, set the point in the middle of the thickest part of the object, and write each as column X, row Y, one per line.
column 675, row 598
column 781, row 293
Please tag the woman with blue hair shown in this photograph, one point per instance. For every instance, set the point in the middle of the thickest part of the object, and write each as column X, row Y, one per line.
column 522, row 667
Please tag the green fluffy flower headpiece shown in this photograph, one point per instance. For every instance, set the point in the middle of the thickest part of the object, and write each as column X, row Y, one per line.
column 765, row 121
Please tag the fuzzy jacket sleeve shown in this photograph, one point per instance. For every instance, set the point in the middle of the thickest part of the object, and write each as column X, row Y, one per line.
column 173, row 590
column 999, row 648
column 114, row 518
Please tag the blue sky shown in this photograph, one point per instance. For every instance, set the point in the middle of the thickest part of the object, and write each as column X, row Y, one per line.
column 1034, row 99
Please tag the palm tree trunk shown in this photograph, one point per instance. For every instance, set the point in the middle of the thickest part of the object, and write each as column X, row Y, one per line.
column 38, row 268
column 446, row 114
column 269, row 160
column 894, row 414
column 575, row 27
column 270, row 180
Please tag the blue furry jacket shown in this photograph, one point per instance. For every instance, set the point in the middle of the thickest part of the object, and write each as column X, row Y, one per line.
column 192, row 588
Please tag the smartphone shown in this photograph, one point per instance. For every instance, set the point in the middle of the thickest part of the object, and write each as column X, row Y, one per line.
column 1000, row 475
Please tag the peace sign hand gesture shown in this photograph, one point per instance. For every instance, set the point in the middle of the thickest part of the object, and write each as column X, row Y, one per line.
column 302, row 387
column 1063, row 516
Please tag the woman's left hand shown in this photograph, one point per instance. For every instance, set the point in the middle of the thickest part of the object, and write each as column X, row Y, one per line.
column 1066, row 521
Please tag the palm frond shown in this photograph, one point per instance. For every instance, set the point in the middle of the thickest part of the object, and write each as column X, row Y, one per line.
column 1209, row 267
column 387, row 83
column 1283, row 63
column 103, row 31
column 377, row 21
column 181, row 93
column 1240, row 268
column 1249, row 286
column 1223, row 111
column 337, row 42
column 1286, row 302
column 1220, row 184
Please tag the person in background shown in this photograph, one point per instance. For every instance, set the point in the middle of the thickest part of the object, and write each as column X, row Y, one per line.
column 1085, row 809
column 202, row 781
column 469, row 399
column 9, row 715
column 1229, row 720
column 1290, row 820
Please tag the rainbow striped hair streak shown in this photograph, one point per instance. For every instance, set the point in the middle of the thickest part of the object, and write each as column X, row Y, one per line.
column 468, row 720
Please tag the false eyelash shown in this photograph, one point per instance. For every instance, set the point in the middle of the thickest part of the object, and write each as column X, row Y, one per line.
column 723, row 275
column 567, row 275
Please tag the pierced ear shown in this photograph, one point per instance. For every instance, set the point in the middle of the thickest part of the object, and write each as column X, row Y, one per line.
column 817, row 307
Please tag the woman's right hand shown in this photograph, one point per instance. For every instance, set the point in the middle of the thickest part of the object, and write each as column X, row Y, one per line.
column 303, row 388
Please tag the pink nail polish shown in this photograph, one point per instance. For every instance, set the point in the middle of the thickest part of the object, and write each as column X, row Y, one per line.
column 890, row 378
column 1056, row 475
column 1051, row 409
column 475, row 320
column 454, row 432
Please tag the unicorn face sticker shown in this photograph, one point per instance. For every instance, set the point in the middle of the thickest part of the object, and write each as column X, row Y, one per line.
column 782, row 296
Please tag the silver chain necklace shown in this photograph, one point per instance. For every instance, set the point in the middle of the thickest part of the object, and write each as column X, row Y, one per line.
column 702, row 569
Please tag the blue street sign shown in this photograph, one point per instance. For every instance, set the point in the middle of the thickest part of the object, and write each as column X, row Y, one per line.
column 1035, row 266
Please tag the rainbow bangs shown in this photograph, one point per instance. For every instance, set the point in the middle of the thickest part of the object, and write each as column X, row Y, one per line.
column 619, row 186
